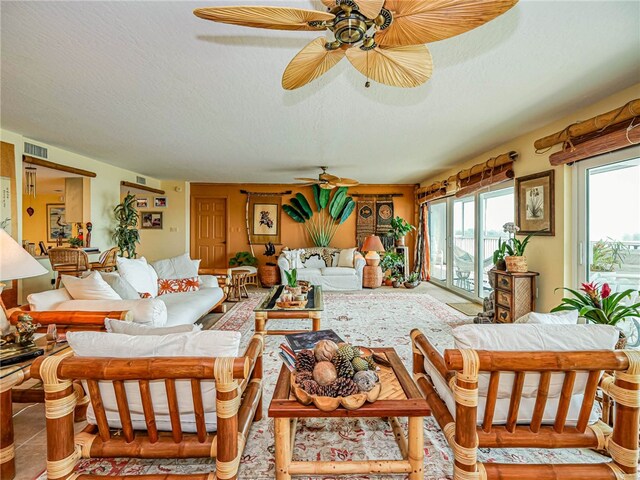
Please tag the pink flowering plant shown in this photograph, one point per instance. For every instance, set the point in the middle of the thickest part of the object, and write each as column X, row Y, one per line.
column 598, row 305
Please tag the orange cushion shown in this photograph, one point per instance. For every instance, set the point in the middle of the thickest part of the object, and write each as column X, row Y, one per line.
column 176, row 285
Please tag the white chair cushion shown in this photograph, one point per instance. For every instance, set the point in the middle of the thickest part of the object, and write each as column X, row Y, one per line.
column 211, row 343
column 131, row 328
column 345, row 259
column 47, row 300
column 91, row 287
column 139, row 274
column 120, row 286
column 338, row 271
column 557, row 318
column 147, row 311
column 176, row 267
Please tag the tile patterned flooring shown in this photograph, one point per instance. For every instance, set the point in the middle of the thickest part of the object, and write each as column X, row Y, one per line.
column 30, row 434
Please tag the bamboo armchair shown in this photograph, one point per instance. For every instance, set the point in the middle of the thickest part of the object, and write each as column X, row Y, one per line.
column 68, row 261
column 238, row 403
column 107, row 261
column 466, row 433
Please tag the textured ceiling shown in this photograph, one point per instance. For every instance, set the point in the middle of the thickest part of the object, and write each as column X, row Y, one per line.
column 149, row 87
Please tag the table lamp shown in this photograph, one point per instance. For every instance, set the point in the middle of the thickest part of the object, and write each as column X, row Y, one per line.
column 15, row 263
column 372, row 245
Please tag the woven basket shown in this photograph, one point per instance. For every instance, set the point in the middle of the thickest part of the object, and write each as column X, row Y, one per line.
column 517, row 264
column 269, row 275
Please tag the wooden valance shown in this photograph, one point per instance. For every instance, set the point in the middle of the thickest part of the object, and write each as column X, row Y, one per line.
column 141, row 187
column 625, row 113
column 432, row 192
column 56, row 166
column 376, row 195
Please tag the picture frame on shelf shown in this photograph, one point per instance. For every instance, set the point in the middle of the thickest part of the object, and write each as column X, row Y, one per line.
column 535, row 203
column 160, row 202
column 142, row 202
column 151, row 220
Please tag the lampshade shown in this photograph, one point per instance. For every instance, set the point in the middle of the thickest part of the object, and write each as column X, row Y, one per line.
column 15, row 262
column 372, row 244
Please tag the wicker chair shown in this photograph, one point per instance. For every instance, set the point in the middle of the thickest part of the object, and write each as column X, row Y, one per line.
column 466, row 433
column 107, row 261
column 238, row 403
column 68, row 261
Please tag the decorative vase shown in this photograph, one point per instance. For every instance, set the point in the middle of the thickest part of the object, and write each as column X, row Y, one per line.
column 400, row 241
column 294, row 290
column 269, row 275
column 501, row 265
column 516, row 264
column 397, row 284
column 388, row 282
column 622, row 341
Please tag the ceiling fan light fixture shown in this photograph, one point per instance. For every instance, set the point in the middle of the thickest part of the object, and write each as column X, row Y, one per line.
column 350, row 29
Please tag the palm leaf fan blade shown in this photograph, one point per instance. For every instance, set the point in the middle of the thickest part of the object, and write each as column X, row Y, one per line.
column 275, row 18
column 311, row 62
column 370, row 8
column 305, row 205
column 293, row 213
column 406, row 67
column 424, row 21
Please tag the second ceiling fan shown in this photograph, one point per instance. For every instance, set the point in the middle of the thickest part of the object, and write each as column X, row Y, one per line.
column 383, row 39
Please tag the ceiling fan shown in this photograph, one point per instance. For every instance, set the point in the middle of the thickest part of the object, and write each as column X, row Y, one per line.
column 383, row 39
column 327, row 181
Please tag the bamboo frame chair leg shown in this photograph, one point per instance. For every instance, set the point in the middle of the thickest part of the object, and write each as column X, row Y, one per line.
column 416, row 445
column 316, row 320
column 7, row 448
column 283, row 447
column 227, row 405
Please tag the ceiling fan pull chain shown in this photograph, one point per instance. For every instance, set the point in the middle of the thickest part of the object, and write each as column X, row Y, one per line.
column 367, row 84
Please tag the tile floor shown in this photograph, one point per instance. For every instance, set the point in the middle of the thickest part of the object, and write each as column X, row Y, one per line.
column 30, row 434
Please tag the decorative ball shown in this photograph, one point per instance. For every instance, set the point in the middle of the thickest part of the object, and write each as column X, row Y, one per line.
column 324, row 373
column 325, row 350
column 365, row 380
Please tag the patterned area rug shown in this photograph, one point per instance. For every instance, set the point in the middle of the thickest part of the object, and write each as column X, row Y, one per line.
column 365, row 318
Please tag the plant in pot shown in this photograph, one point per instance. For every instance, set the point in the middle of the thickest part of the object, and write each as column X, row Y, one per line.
column 413, row 280
column 269, row 273
column 499, row 255
column 126, row 234
column 516, row 261
column 397, row 280
column 599, row 305
column 243, row 259
column 399, row 229
column 292, row 282
column 391, row 265
column 75, row 242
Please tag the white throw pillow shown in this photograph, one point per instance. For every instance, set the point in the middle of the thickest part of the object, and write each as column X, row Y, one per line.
column 346, row 258
column 47, row 300
column 130, row 328
column 91, row 287
column 120, row 286
column 569, row 317
column 150, row 311
column 139, row 274
column 210, row 343
column 177, row 267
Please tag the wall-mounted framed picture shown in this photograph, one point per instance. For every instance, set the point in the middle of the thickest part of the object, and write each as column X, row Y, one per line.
column 159, row 202
column 264, row 219
column 151, row 220
column 535, row 203
column 57, row 226
column 142, row 202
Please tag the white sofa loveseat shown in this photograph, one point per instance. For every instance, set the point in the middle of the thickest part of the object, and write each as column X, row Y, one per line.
column 332, row 268
column 123, row 289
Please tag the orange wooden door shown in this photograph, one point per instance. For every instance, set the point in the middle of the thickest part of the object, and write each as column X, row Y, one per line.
column 209, row 231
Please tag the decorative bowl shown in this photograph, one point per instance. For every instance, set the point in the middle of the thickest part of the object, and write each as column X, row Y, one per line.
column 329, row 404
column 291, row 304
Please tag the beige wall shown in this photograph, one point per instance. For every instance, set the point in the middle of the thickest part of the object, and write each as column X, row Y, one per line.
column 551, row 256
column 34, row 228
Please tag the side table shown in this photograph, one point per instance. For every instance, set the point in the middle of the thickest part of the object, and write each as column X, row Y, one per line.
column 372, row 276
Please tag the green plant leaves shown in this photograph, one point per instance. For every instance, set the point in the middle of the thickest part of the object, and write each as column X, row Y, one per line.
column 304, row 204
column 293, row 213
column 349, row 207
column 337, row 202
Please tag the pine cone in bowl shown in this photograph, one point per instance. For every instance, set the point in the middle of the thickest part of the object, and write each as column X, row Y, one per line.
column 345, row 387
column 302, row 376
column 305, row 361
column 343, row 366
column 310, row 386
column 327, row 390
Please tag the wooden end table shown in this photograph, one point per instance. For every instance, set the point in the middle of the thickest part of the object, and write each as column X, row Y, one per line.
column 400, row 397
column 12, row 376
column 267, row 310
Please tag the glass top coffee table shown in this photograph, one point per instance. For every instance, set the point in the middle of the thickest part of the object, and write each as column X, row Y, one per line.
column 268, row 310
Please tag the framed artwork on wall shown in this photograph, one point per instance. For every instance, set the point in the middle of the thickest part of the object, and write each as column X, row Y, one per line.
column 151, row 220
column 57, row 226
column 142, row 202
column 160, row 202
column 264, row 219
column 535, row 203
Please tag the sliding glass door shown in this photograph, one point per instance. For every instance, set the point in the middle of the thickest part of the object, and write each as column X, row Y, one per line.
column 438, row 240
column 464, row 243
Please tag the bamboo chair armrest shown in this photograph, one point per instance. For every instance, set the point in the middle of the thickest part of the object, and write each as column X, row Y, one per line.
column 429, row 352
column 253, row 353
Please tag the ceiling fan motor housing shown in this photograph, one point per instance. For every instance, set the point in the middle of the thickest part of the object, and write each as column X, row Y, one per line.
column 350, row 28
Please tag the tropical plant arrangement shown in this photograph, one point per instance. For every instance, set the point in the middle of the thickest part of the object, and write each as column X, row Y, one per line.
column 391, row 265
column 599, row 305
column 412, row 280
column 499, row 255
column 243, row 259
column 516, row 261
column 333, row 211
column 126, row 234
column 75, row 242
column 608, row 254
column 399, row 229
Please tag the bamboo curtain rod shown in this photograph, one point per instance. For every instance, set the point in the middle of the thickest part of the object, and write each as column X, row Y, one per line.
column 56, row 166
column 265, row 194
column 141, row 187
column 374, row 195
column 598, row 123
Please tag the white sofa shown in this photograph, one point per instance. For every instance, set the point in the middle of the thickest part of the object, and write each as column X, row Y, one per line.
column 161, row 310
column 322, row 266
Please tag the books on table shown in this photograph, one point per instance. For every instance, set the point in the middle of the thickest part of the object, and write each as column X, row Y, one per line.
column 303, row 341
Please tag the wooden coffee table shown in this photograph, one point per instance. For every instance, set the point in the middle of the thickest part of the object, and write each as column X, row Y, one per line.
column 399, row 397
column 267, row 310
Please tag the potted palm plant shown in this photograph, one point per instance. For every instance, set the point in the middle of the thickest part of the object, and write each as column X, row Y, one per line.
column 399, row 229
column 126, row 234
column 516, row 261
column 598, row 305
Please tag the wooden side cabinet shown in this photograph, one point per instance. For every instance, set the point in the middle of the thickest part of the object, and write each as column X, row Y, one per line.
column 515, row 295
